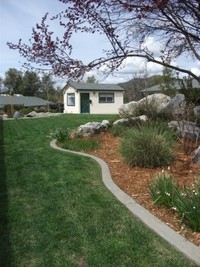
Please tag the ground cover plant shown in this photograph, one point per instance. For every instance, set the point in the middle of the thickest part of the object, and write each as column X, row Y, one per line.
column 55, row 210
column 185, row 201
column 68, row 139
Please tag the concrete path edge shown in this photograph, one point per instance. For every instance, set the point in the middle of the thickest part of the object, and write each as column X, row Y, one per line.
column 190, row 250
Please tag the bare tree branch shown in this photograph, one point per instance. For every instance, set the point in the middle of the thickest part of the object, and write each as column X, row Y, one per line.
column 125, row 24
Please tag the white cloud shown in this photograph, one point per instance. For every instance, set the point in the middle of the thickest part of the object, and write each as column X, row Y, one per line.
column 152, row 45
column 196, row 71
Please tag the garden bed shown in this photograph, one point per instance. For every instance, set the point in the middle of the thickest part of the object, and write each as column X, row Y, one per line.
column 134, row 180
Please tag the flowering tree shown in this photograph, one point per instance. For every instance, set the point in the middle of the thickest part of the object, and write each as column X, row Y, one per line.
column 126, row 24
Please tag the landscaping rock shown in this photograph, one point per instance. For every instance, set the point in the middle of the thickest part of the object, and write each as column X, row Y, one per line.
column 17, row 115
column 31, row 114
column 160, row 101
column 127, row 109
column 34, row 114
column 91, row 128
column 4, row 116
column 186, row 129
column 176, row 105
column 130, row 121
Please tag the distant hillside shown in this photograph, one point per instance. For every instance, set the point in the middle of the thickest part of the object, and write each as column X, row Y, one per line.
column 149, row 81
column 134, row 86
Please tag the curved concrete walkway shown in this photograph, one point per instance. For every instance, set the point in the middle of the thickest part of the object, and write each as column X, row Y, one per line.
column 180, row 243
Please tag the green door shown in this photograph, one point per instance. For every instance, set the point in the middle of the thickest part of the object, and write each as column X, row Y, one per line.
column 85, row 103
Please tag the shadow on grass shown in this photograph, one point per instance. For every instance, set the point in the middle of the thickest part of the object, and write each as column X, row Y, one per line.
column 5, row 246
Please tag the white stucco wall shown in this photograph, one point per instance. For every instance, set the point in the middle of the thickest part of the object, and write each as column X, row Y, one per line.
column 105, row 108
column 95, row 106
column 72, row 109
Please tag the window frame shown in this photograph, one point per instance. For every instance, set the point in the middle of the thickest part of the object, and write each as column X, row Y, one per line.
column 72, row 95
column 106, row 96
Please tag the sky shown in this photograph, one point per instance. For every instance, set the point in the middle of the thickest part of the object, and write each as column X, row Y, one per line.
column 17, row 17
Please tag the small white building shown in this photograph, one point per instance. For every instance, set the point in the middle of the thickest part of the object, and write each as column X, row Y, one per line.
column 93, row 98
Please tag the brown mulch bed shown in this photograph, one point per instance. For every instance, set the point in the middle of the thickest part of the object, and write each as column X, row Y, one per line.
column 134, row 180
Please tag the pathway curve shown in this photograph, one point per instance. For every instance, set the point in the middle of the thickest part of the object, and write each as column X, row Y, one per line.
column 180, row 243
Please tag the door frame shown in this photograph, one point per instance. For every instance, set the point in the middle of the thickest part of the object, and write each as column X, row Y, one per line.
column 85, row 105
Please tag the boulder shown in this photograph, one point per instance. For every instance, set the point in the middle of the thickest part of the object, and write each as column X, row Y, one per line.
column 91, row 128
column 130, row 121
column 17, row 115
column 176, row 105
column 32, row 114
column 160, row 101
column 4, row 116
column 127, row 109
column 186, row 129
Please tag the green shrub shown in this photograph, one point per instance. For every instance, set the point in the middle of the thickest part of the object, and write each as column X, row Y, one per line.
column 163, row 190
column 192, row 95
column 10, row 109
column 188, row 206
column 26, row 110
column 149, row 146
column 81, row 144
column 118, row 130
column 60, row 135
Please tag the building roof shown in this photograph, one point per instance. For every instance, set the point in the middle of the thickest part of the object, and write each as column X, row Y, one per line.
column 27, row 101
column 94, row 86
column 157, row 88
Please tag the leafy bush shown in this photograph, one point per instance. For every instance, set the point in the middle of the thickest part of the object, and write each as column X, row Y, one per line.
column 10, row 109
column 163, row 190
column 60, row 135
column 149, row 146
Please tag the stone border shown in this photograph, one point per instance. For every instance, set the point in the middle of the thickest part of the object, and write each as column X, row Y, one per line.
column 190, row 250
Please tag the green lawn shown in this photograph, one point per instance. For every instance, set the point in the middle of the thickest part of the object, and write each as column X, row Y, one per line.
column 55, row 210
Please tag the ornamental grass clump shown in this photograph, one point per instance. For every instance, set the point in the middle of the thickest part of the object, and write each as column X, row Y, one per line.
column 163, row 190
column 148, row 146
column 81, row 144
column 118, row 130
